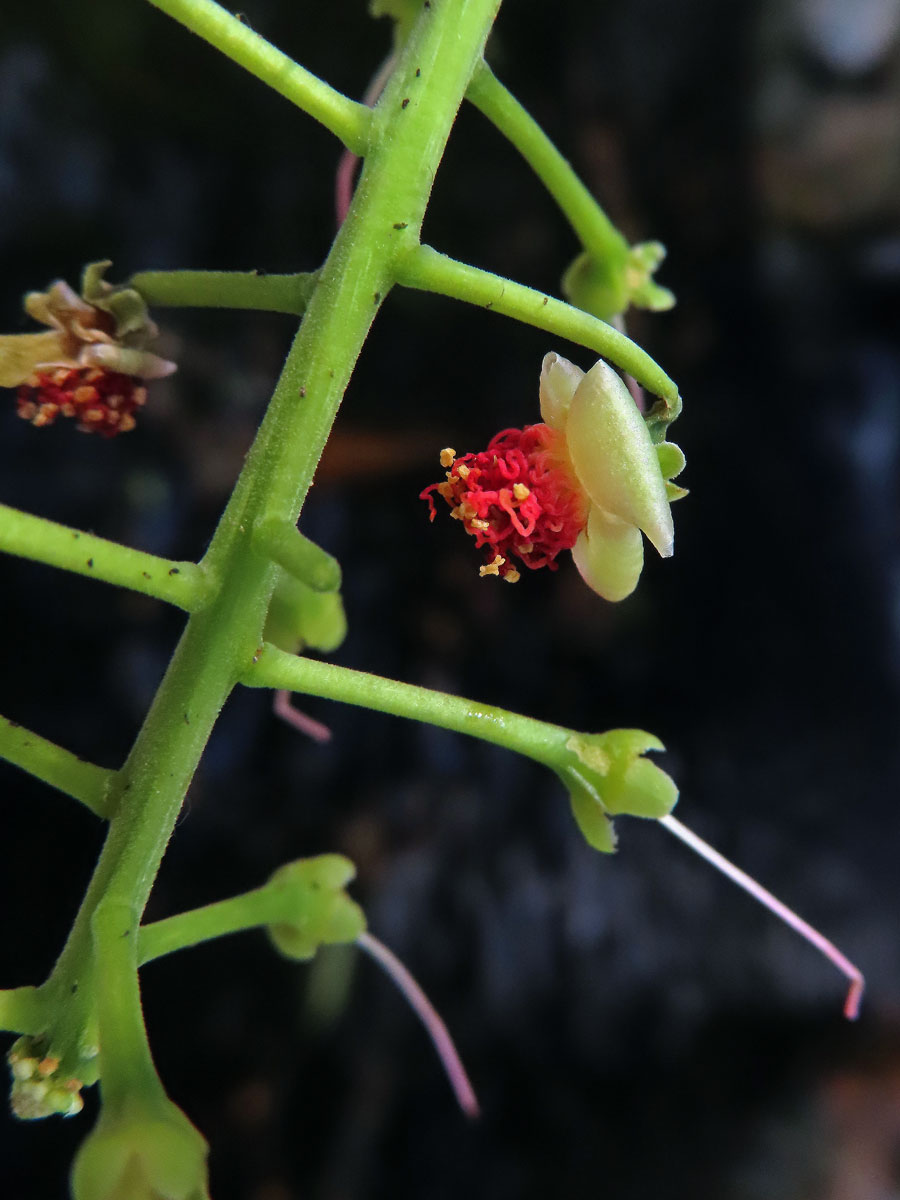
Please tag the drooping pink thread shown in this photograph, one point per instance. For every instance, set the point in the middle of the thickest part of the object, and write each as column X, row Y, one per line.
column 300, row 721
column 430, row 1018
column 774, row 905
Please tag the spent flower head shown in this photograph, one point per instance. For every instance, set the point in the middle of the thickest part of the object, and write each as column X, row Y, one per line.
column 91, row 363
column 588, row 479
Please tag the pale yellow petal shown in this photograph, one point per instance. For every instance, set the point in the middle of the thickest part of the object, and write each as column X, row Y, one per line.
column 559, row 379
column 20, row 353
column 609, row 553
column 614, row 458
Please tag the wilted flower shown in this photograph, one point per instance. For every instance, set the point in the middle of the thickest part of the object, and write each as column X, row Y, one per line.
column 93, row 361
column 588, row 479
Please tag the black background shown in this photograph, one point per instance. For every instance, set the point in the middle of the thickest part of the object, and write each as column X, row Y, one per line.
column 632, row 1024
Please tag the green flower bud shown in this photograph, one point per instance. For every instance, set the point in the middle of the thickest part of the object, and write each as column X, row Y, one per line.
column 144, row 1152
column 322, row 912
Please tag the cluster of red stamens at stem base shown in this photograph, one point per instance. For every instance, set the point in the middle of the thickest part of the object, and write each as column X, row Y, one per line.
column 519, row 499
column 102, row 401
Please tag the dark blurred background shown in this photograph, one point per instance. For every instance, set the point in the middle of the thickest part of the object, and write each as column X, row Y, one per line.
column 632, row 1024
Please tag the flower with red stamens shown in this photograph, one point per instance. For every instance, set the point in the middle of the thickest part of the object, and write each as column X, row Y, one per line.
column 102, row 401
column 589, row 479
column 92, row 362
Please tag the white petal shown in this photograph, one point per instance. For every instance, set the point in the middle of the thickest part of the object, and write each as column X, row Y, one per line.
column 559, row 379
column 614, row 458
column 609, row 553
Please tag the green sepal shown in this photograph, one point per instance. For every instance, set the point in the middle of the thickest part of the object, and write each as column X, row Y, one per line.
column 124, row 304
column 589, row 812
column 607, row 287
column 324, row 913
column 612, row 767
column 643, row 292
column 597, row 287
column 300, row 619
column 671, row 459
column 674, row 492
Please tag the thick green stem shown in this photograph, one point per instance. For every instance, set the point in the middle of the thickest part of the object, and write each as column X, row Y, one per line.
column 347, row 119
column 410, row 128
column 427, row 270
column 536, row 739
column 227, row 289
column 58, row 767
column 595, row 231
column 183, row 584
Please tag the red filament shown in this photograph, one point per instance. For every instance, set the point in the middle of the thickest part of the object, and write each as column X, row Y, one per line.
column 519, row 499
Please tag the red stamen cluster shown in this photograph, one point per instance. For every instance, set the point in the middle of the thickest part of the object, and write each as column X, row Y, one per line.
column 519, row 498
column 102, row 401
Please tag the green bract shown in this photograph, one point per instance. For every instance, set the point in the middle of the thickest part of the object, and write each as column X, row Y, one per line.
column 325, row 914
column 608, row 776
column 606, row 287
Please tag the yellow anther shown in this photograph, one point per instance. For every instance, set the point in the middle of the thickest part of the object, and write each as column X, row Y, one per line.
column 447, row 456
column 512, row 576
column 520, row 491
column 492, row 568
column 462, row 471
column 525, row 548
column 477, row 523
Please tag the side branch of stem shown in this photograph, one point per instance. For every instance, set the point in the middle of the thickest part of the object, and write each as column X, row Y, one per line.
column 183, row 584
column 594, row 229
column 347, row 119
column 427, row 270
column 536, row 739
column 227, row 289
column 22, row 1010
column 60, row 768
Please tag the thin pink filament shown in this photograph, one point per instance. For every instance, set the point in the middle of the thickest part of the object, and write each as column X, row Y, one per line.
column 774, row 905
column 428, row 1015
column 300, row 721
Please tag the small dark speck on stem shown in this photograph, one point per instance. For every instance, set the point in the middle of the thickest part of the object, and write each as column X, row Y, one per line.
column 376, row 297
column 400, row 224
column 490, row 304
column 90, row 562
column 146, row 574
column 187, row 719
column 76, row 536
column 174, row 571
column 404, row 102
column 546, row 300
column 418, row 72
column 74, row 988
column 303, row 393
